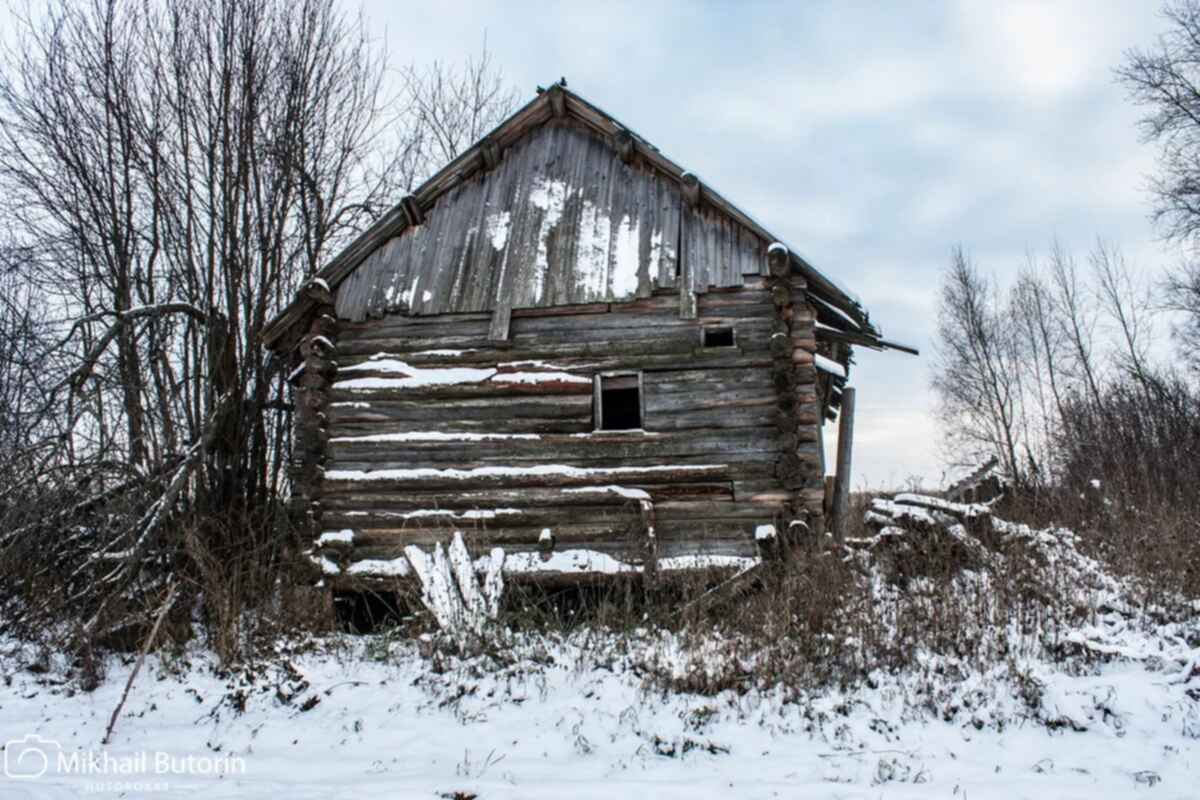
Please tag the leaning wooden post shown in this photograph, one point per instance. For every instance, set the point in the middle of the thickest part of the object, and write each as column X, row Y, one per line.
column 841, row 494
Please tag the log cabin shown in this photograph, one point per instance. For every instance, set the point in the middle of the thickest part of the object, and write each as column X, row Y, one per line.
column 567, row 346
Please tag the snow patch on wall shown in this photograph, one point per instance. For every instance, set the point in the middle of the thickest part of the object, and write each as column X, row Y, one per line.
column 829, row 365
column 764, row 532
column 378, row 567
column 565, row 561
column 623, row 491
column 449, row 353
column 624, row 282
column 657, row 253
column 345, row 536
column 580, row 560
column 327, row 566
column 474, row 513
column 676, row 563
column 538, row 377
column 498, row 226
column 415, row 377
column 432, row 436
column 592, row 247
column 533, row 362
column 551, row 197
column 540, row 470
column 606, row 434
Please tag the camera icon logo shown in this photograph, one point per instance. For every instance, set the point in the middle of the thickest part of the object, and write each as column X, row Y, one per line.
column 28, row 757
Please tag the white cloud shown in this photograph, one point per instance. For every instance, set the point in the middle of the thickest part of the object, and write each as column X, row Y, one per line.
column 1038, row 51
column 872, row 137
column 788, row 100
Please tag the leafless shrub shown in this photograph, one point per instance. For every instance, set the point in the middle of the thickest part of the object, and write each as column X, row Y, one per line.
column 1107, row 435
column 170, row 173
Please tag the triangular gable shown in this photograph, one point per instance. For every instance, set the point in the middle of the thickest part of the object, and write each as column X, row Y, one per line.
column 561, row 220
column 559, row 205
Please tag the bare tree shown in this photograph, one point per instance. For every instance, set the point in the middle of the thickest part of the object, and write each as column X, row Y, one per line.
column 450, row 108
column 1128, row 304
column 1165, row 80
column 178, row 168
column 1042, row 385
column 1056, row 378
column 1183, row 296
column 975, row 375
column 1078, row 318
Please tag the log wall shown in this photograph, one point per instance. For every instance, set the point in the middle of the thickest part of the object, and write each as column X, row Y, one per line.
column 433, row 427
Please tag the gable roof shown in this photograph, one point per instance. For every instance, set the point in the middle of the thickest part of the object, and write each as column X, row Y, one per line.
column 838, row 310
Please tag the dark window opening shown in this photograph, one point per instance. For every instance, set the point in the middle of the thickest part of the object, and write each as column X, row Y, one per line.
column 718, row 337
column 620, row 403
column 368, row 612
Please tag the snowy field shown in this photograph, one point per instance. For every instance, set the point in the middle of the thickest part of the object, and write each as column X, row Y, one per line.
column 370, row 718
column 1099, row 698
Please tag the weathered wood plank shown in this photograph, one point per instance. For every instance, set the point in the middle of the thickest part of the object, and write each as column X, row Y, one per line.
column 530, row 516
column 734, row 465
column 713, row 413
column 399, row 479
column 529, row 235
column 356, row 422
column 525, row 497
column 584, row 345
column 551, row 447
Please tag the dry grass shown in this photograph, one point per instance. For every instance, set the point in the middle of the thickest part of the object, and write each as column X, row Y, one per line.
column 823, row 616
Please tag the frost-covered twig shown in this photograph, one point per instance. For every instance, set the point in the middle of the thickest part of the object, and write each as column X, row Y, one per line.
column 162, row 614
column 70, row 513
column 450, row 589
column 149, row 522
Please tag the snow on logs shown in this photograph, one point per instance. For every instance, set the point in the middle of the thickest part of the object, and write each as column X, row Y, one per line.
column 382, row 375
column 920, row 534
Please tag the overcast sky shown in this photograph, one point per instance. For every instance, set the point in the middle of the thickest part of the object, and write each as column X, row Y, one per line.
column 870, row 138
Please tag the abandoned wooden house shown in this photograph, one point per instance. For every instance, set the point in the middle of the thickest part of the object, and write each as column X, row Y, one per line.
column 564, row 345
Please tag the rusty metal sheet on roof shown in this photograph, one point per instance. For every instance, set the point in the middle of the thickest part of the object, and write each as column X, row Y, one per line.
column 562, row 220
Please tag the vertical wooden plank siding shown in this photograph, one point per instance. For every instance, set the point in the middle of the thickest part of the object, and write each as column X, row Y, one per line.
column 561, row 220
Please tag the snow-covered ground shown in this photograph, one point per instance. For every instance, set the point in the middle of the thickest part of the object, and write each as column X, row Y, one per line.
column 371, row 718
column 1098, row 698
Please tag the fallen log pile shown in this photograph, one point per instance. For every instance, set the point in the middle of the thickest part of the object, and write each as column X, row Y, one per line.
column 1010, row 587
column 915, row 535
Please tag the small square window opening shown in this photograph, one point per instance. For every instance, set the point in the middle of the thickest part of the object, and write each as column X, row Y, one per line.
column 619, row 403
column 718, row 337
